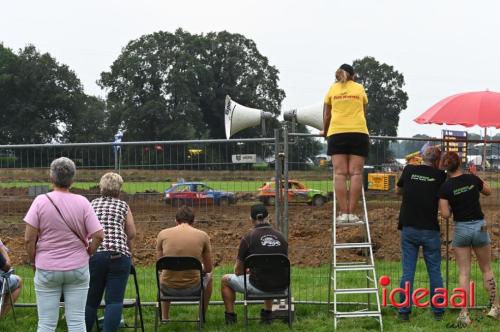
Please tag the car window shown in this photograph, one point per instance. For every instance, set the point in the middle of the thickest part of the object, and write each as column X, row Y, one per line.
column 181, row 188
column 200, row 188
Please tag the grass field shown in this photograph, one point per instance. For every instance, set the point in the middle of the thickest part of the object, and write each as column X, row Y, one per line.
column 309, row 317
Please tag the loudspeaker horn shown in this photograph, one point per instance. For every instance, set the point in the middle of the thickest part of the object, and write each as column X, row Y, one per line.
column 238, row 117
column 309, row 115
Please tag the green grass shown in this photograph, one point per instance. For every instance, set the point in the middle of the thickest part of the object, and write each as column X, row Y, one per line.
column 137, row 187
column 308, row 284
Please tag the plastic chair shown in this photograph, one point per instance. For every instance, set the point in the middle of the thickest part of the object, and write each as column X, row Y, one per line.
column 130, row 303
column 179, row 263
column 6, row 290
column 268, row 264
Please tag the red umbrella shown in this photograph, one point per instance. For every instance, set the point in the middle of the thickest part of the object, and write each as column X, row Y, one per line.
column 481, row 108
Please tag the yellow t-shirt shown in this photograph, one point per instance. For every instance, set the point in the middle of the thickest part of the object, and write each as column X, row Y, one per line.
column 347, row 101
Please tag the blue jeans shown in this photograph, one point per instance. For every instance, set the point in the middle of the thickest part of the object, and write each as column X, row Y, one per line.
column 411, row 240
column 108, row 272
column 48, row 287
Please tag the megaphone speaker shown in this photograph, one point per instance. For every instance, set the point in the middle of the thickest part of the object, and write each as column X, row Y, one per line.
column 309, row 116
column 238, row 117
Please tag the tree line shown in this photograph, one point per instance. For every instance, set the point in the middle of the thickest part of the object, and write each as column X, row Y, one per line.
column 163, row 86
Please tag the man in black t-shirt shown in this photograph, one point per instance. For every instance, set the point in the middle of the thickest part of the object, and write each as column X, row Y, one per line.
column 263, row 239
column 418, row 222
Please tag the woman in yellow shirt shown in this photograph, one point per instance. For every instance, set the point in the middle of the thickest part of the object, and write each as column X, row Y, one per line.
column 345, row 127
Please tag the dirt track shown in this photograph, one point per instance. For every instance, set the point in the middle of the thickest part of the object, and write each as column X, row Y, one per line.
column 309, row 227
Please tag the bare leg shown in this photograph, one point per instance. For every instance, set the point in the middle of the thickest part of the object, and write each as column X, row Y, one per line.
column 165, row 310
column 228, row 294
column 463, row 258
column 356, row 164
column 15, row 295
column 483, row 255
column 340, row 163
column 208, row 293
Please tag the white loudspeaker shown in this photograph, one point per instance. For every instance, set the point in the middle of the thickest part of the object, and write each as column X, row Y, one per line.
column 238, row 117
column 309, row 116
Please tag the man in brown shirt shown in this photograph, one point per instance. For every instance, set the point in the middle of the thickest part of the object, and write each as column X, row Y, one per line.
column 184, row 240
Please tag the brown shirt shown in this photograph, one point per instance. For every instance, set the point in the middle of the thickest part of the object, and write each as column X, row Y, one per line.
column 183, row 240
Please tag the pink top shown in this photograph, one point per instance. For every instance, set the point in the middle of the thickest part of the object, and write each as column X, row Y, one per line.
column 58, row 248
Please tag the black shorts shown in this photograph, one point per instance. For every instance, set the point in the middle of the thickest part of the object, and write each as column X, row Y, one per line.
column 348, row 143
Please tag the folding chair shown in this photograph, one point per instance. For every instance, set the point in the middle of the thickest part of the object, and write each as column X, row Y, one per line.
column 130, row 303
column 180, row 263
column 268, row 264
column 5, row 276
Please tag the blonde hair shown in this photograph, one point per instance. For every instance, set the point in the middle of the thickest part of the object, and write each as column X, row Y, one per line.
column 342, row 76
column 110, row 184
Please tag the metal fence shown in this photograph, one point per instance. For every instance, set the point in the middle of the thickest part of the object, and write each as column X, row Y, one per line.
column 238, row 167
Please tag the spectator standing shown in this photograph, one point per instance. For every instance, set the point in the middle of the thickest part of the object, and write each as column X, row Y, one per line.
column 459, row 196
column 418, row 222
column 345, row 127
column 58, row 226
column 110, row 265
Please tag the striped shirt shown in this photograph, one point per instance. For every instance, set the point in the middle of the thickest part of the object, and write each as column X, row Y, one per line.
column 112, row 214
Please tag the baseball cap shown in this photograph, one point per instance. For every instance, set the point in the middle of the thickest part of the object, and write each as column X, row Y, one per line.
column 258, row 211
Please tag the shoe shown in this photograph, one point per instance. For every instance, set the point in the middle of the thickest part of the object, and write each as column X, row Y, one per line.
column 230, row 318
column 438, row 316
column 463, row 319
column 494, row 312
column 266, row 316
column 404, row 316
column 343, row 218
column 354, row 218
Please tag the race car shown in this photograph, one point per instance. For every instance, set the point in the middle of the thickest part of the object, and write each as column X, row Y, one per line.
column 196, row 194
column 297, row 192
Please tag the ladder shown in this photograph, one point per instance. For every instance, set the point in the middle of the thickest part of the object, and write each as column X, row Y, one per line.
column 337, row 268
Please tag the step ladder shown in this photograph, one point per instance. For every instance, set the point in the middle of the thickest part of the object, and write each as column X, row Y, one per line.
column 339, row 268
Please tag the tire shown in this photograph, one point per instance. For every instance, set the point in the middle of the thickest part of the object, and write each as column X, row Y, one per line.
column 223, row 202
column 318, row 200
column 176, row 203
column 271, row 200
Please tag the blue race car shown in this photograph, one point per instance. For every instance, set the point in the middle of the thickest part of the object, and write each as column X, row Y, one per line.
column 196, row 194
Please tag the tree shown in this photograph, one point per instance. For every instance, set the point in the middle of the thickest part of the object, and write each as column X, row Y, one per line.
column 386, row 99
column 41, row 100
column 173, row 86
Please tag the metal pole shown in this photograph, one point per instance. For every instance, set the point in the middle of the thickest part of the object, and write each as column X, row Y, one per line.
column 447, row 254
column 285, row 175
column 277, row 178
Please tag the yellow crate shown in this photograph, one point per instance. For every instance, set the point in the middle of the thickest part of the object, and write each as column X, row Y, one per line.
column 382, row 181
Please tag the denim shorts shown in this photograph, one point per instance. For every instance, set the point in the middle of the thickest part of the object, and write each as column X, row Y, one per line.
column 469, row 234
column 13, row 282
column 237, row 284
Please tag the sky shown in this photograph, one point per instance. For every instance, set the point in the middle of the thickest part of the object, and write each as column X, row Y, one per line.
column 442, row 47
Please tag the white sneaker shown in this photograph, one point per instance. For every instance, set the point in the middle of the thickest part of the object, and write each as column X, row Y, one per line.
column 354, row 218
column 494, row 312
column 343, row 218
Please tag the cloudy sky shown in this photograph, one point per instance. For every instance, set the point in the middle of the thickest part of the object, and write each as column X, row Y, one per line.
column 441, row 46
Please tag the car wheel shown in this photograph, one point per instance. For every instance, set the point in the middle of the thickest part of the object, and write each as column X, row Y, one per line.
column 271, row 201
column 318, row 200
column 223, row 202
column 176, row 202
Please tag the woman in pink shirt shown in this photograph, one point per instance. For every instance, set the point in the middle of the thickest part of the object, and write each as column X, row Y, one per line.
column 58, row 226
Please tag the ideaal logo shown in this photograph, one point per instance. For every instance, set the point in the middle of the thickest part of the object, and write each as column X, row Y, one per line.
column 460, row 298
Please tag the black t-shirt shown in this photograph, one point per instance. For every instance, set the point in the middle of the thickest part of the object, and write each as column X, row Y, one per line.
column 420, row 185
column 462, row 192
column 263, row 239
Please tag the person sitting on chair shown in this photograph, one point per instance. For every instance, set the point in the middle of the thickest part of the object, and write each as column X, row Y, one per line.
column 15, row 282
column 184, row 240
column 263, row 239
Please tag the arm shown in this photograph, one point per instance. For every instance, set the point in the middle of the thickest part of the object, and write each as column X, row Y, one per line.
column 206, row 256
column 327, row 117
column 97, row 238
column 159, row 247
column 399, row 190
column 130, row 229
column 486, row 189
column 238, row 267
column 4, row 259
column 30, row 237
column 444, row 208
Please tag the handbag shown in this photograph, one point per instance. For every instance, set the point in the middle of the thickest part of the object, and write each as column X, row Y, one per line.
column 85, row 244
